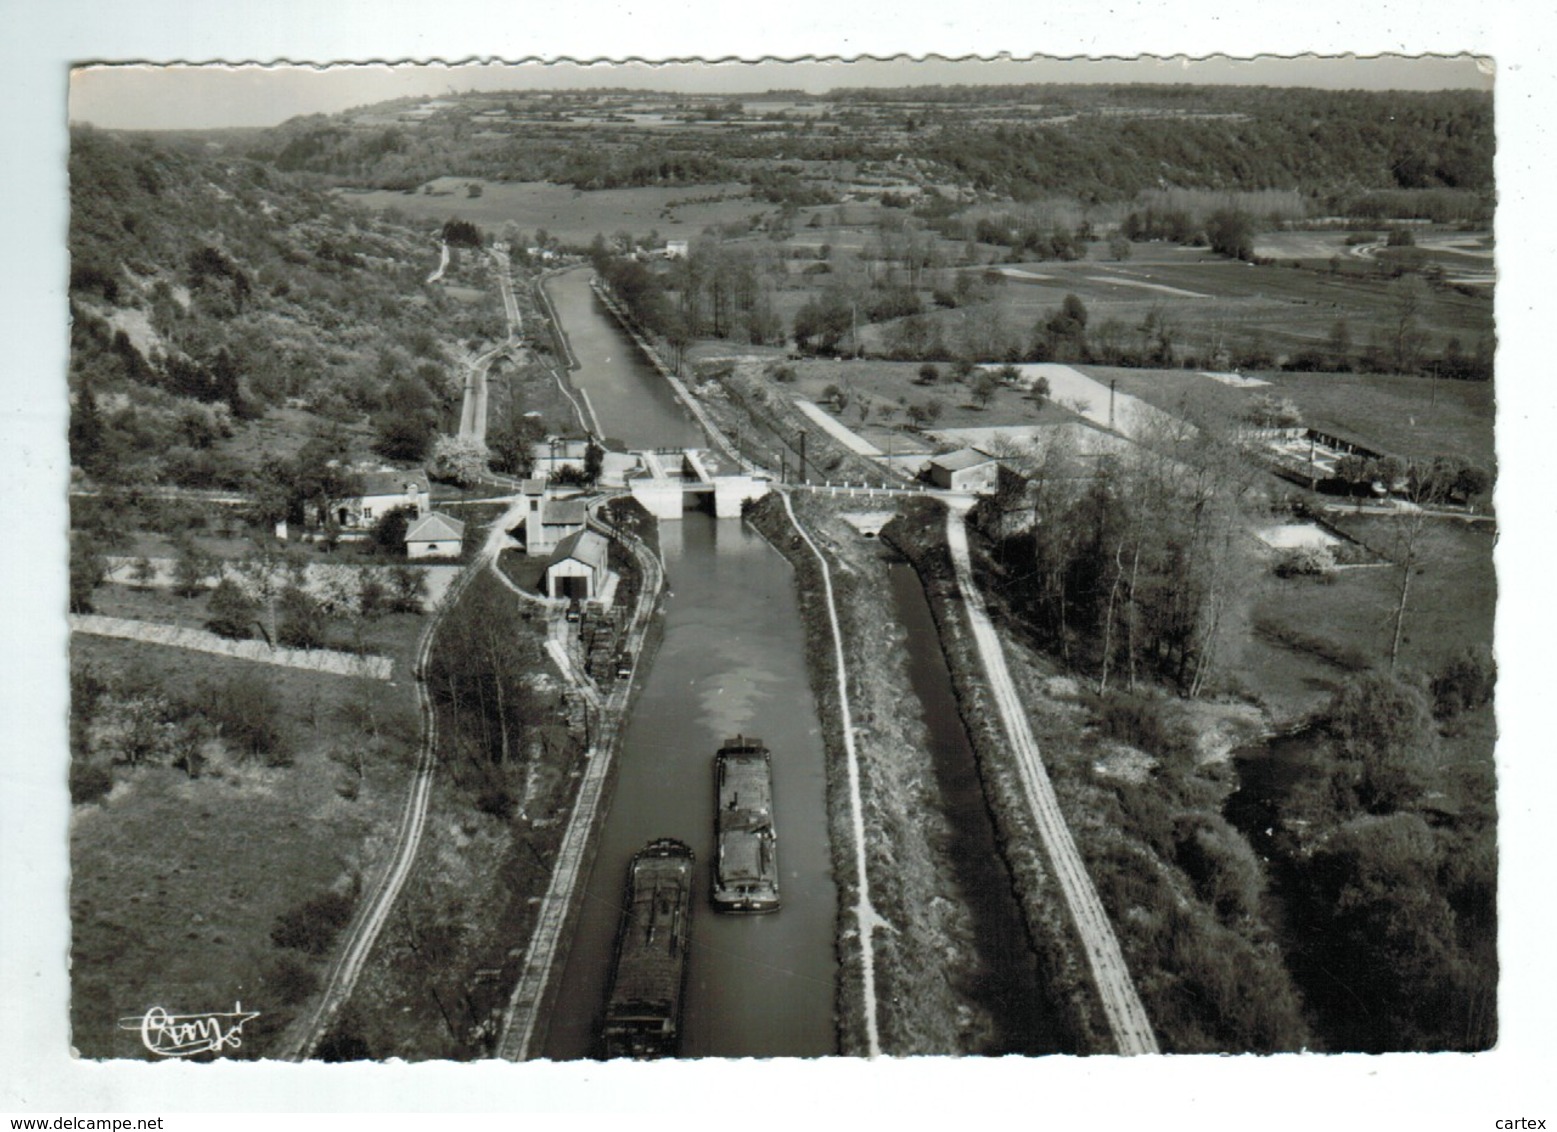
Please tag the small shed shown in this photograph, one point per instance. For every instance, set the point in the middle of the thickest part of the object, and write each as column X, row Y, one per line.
column 966, row 469
column 435, row 535
column 555, row 520
column 577, row 568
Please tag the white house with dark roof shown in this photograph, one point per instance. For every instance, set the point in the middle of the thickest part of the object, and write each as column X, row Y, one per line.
column 966, row 469
column 435, row 535
column 577, row 568
column 383, row 490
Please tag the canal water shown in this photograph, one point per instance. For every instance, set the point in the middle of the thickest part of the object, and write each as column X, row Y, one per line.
column 732, row 660
column 632, row 403
column 1007, row 985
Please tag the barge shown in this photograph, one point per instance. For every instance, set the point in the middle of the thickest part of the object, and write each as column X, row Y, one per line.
column 746, row 877
column 643, row 1009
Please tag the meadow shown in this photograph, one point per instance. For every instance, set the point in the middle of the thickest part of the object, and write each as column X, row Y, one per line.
column 178, row 881
column 571, row 216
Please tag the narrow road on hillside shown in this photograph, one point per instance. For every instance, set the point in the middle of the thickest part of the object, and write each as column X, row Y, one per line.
column 1127, row 1020
column 473, row 410
column 373, row 912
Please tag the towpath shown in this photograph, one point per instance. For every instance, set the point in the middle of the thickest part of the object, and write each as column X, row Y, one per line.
column 1127, row 1020
column 522, row 1032
column 372, row 913
column 865, row 917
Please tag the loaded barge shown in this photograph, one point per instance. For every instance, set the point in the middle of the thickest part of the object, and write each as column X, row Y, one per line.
column 643, row 1010
column 746, row 875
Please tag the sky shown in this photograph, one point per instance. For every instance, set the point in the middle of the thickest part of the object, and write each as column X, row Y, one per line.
column 202, row 97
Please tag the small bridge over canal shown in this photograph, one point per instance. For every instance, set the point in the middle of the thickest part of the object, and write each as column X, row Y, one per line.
column 672, row 476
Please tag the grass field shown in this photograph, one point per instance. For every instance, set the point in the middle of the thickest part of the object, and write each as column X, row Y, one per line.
column 177, row 881
column 1409, row 416
column 573, row 215
column 884, row 386
column 1452, row 605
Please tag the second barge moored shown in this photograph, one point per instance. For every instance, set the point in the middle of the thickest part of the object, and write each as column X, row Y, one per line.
column 643, row 1011
column 746, row 877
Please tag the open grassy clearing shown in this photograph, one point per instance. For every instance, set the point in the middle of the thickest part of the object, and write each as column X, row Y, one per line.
column 1306, row 638
column 1412, row 417
column 177, row 882
column 885, row 386
column 572, row 215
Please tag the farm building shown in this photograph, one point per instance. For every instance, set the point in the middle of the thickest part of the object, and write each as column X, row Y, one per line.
column 578, row 566
column 435, row 535
column 966, row 469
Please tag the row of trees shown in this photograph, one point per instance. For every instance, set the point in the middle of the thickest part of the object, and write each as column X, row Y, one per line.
column 1130, row 573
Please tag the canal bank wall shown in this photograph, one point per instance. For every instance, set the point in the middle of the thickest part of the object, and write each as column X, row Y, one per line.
column 536, row 986
column 1063, row 967
column 768, row 518
column 934, row 959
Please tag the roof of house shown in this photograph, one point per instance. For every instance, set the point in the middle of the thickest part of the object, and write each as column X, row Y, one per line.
column 393, row 482
column 588, row 547
column 961, row 460
column 532, row 487
column 563, row 513
column 434, row 527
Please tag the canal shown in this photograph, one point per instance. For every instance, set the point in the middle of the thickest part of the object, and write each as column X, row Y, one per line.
column 631, row 402
column 732, row 660
column 1006, row 984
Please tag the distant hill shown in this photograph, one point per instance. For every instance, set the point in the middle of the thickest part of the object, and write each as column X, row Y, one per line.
column 1095, row 143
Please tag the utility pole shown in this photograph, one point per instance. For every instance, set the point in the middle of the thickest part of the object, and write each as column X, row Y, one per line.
column 802, row 455
column 1111, row 383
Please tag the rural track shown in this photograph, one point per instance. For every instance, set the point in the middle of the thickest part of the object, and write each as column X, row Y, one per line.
column 1127, row 1020
column 522, row 1019
column 371, row 916
column 473, row 410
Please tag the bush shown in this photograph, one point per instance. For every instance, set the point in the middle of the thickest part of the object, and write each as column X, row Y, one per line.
column 302, row 620
column 1142, row 722
column 250, row 715
column 312, row 926
column 1305, row 562
column 232, row 611
column 1466, row 682
column 89, row 781
column 1222, row 865
column 292, row 980
column 1383, row 731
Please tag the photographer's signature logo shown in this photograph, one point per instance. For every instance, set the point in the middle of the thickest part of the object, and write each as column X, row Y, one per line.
column 185, row 1035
